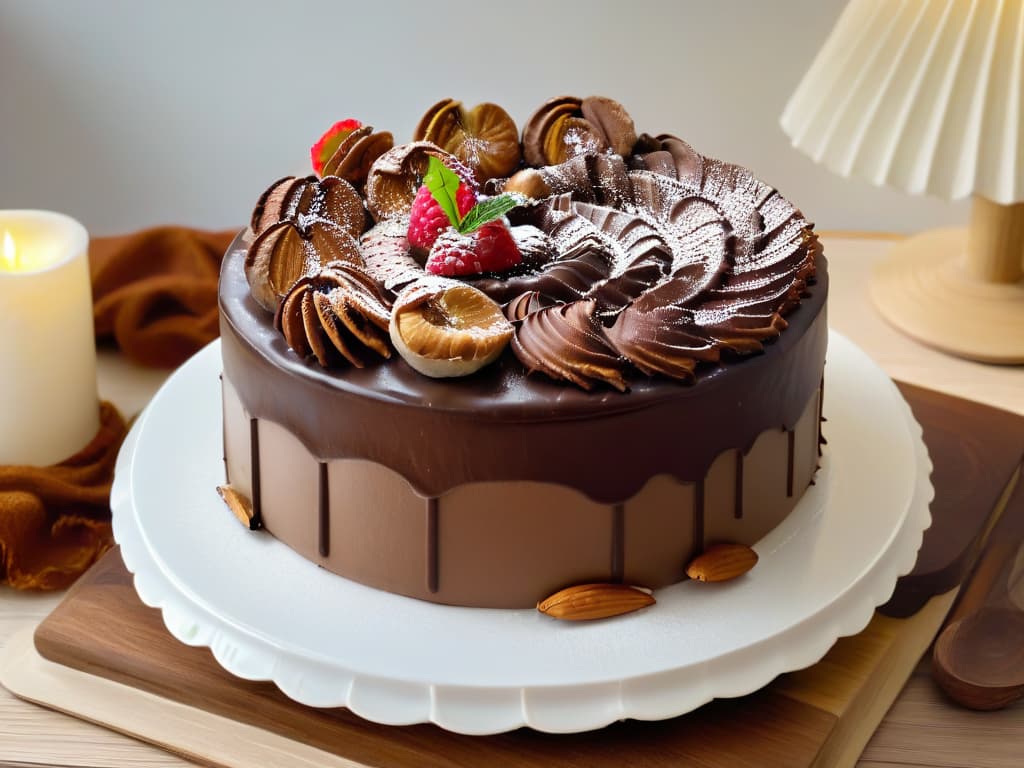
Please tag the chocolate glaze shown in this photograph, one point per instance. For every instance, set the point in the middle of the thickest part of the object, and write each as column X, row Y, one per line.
column 500, row 425
column 662, row 263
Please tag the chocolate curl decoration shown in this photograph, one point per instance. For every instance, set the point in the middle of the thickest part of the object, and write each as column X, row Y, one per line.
column 55, row 521
column 523, row 305
column 355, row 155
column 305, row 200
column 565, row 342
column 661, row 340
column 336, row 315
column 568, row 126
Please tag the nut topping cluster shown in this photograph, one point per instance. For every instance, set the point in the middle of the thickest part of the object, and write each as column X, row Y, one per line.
column 567, row 127
column 444, row 328
column 300, row 225
column 484, row 138
column 613, row 255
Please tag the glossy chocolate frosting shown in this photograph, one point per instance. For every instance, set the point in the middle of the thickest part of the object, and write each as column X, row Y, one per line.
column 504, row 425
column 565, row 342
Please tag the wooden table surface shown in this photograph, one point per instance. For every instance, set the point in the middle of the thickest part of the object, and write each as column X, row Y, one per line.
column 922, row 729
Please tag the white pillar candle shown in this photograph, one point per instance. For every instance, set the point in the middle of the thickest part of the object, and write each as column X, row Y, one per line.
column 49, row 405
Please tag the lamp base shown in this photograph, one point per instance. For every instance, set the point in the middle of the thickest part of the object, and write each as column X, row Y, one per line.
column 924, row 289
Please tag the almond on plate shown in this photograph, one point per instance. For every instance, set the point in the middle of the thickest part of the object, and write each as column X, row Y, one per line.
column 584, row 602
column 722, row 562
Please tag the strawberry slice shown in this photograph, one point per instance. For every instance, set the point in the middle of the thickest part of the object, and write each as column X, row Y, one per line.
column 328, row 144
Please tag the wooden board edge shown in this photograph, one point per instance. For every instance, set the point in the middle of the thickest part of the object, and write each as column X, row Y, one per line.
column 187, row 732
column 913, row 591
column 862, row 717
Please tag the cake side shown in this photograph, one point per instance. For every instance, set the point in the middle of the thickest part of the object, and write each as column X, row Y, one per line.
column 609, row 356
column 517, row 505
column 507, row 544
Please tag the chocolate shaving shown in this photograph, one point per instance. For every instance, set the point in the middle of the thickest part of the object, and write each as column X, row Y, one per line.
column 396, row 176
column 305, row 200
column 355, row 156
column 286, row 252
column 568, row 127
column 300, row 225
column 540, row 124
column 336, row 315
column 612, row 122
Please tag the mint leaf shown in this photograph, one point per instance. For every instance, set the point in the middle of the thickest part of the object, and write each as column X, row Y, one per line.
column 443, row 185
column 489, row 210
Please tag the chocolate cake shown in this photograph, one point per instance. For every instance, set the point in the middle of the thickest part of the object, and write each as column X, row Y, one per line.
column 619, row 367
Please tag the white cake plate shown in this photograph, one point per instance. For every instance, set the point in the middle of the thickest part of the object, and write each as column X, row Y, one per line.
column 268, row 614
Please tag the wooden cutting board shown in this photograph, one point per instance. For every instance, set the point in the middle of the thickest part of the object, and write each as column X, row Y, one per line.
column 108, row 658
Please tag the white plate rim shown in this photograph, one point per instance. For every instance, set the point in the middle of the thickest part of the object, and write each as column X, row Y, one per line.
column 569, row 706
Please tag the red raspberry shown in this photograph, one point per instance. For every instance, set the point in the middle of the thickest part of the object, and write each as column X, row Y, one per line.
column 427, row 219
column 490, row 249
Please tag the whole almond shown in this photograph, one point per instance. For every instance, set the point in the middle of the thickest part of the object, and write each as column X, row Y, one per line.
column 584, row 602
column 722, row 562
column 239, row 505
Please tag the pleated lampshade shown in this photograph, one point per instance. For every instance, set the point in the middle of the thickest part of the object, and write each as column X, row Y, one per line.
column 927, row 96
column 922, row 96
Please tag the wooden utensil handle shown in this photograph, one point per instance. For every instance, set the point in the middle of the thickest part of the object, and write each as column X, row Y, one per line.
column 1001, row 562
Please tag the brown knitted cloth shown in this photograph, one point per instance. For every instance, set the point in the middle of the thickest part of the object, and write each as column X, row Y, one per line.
column 55, row 521
column 155, row 292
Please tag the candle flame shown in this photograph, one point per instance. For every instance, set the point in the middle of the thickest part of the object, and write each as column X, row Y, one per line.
column 10, row 252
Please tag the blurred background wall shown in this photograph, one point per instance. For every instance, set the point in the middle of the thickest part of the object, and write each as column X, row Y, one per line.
column 126, row 113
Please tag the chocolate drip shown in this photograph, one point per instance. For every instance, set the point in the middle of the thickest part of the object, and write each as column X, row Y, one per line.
column 698, row 515
column 618, row 542
column 791, row 440
column 433, row 561
column 821, row 411
column 324, row 515
column 738, row 495
column 254, row 454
